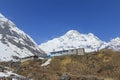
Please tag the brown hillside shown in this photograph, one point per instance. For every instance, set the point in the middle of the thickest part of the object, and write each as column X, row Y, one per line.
column 102, row 65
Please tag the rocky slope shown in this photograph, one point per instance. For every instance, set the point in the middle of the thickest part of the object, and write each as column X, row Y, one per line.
column 102, row 65
column 14, row 43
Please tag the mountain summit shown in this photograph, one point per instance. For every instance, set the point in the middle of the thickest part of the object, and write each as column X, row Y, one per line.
column 72, row 32
column 74, row 39
column 1, row 16
column 14, row 42
column 114, row 44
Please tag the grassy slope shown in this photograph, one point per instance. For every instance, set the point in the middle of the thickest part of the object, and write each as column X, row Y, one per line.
column 102, row 65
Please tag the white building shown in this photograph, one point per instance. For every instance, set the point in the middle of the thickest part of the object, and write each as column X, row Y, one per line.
column 79, row 51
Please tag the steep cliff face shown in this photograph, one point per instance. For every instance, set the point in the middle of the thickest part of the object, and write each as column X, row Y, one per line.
column 14, row 42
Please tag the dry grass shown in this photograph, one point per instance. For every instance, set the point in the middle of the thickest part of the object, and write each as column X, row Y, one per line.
column 103, row 64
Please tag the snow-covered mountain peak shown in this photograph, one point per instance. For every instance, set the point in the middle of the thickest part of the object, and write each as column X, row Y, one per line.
column 1, row 16
column 117, row 39
column 91, row 34
column 72, row 32
column 73, row 39
column 16, row 42
column 114, row 44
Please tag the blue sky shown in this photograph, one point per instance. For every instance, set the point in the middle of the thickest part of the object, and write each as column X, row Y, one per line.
column 46, row 19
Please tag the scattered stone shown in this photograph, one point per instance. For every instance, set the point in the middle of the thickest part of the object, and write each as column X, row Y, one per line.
column 65, row 76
